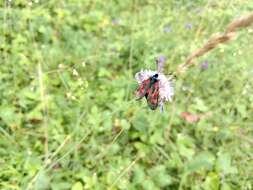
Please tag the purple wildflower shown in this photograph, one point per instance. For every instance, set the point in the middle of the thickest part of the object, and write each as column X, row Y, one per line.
column 167, row 29
column 204, row 65
column 116, row 21
column 199, row 10
column 114, row 50
column 161, row 59
column 159, row 63
column 188, row 26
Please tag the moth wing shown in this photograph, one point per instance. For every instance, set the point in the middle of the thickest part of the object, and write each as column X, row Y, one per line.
column 142, row 89
column 153, row 96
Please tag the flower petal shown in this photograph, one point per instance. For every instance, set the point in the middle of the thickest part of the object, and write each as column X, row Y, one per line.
column 143, row 75
column 166, row 90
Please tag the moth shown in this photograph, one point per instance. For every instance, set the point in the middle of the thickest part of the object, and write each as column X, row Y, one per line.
column 150, row 89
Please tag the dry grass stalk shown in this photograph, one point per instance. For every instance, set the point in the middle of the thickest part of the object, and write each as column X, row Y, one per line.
column 217, row 39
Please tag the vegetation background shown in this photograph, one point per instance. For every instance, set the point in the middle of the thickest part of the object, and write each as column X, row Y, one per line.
column 68, row 118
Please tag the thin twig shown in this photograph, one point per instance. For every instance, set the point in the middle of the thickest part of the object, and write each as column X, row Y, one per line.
column 216, row 39
column 47, row 162
column 45, row 108
column 125, row 171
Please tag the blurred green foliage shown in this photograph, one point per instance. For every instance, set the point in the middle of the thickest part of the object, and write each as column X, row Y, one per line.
column 68, row 118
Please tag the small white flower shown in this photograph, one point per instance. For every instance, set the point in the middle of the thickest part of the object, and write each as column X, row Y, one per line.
column 83, row 64
column 75, row 73
column 222, row 50
column 144, row 75
column 250, row 30
column 68, row 94
column 60, row 66
column 80, row 81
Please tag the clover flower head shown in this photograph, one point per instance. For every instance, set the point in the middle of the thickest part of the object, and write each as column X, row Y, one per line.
column 167, row 29
column 204, row 65
column 188, row 26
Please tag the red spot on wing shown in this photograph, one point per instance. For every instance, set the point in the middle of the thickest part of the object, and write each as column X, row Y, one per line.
column 142, row 89
column 150, row 91
column 153, row 96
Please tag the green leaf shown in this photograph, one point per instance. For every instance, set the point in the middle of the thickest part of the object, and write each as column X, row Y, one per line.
column 225, row 186
column 42, row 181
column 142, row 148
column 139, row 175
column 148, row 184
column 8, row 115
column 157, row 138
column 77, row 186
column 185, row 146
column 211, row 182
column 160, row 176
column 203, row 161
column 140, row 123
column 223, row 164
column 60, row 185
column 200, row 105
column 242, row 110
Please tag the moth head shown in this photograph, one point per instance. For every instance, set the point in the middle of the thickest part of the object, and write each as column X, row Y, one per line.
column 154, row 78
